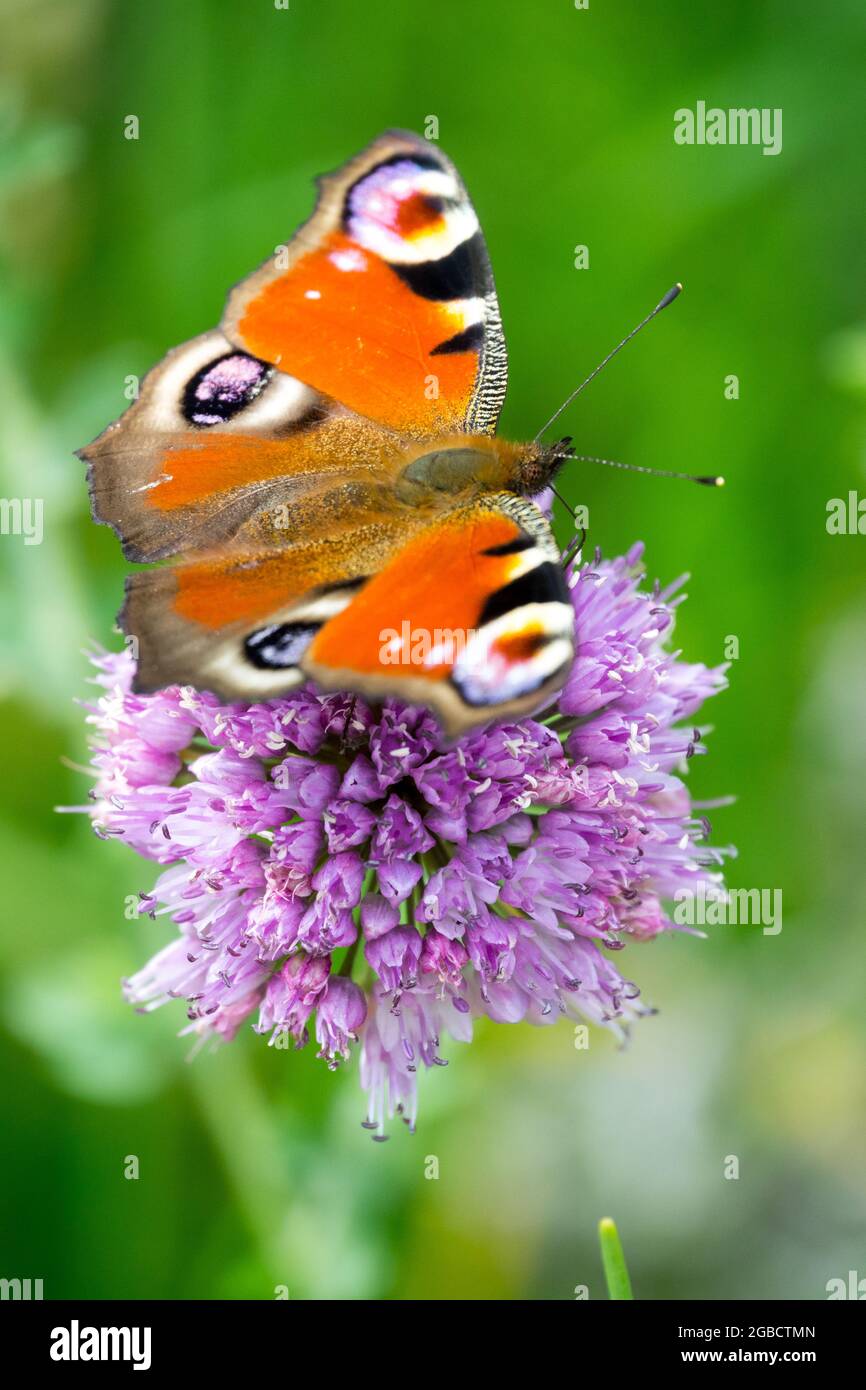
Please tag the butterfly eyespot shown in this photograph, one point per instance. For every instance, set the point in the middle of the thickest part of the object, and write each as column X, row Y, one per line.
column 279, row 646
column 515, row 653
column 222, row 388
column 411, row 211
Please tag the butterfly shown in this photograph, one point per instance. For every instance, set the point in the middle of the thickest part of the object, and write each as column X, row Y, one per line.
column 323, row 473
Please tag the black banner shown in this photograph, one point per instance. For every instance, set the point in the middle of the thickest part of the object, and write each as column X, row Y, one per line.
column 66, row 1338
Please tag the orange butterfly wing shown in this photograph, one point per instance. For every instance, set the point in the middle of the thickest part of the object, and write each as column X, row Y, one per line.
column 471, row 618
column 385, row 299
column 328, row 366
column 217, row 443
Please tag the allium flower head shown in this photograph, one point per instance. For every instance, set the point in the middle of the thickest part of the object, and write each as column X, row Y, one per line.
column 343, row 872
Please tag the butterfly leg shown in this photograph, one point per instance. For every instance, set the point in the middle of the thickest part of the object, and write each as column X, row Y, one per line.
column 345, row 745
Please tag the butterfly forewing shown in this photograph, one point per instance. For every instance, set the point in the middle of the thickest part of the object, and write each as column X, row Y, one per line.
column 385, row 299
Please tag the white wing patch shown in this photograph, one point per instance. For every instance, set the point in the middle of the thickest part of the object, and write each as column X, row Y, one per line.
column 515, row 654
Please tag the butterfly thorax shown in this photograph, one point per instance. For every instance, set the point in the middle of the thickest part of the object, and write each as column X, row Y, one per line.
column 475, row 464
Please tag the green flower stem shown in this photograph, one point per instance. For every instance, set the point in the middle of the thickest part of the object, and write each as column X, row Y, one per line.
column 349, row 959
column 613, row 1259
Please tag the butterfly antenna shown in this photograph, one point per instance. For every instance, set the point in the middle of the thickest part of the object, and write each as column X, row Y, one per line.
column 706, row 479
column 662, row 304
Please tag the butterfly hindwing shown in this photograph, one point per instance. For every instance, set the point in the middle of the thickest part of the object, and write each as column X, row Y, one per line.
column 471, row 617
column 467, row 614
column 236, row 621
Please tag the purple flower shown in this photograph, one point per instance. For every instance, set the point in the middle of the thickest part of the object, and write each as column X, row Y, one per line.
column 377, row 916
column 400, row 833
column 394, row 957
column 443, row 958
column 339, row 1018
column 324, row 858
column 291, row 994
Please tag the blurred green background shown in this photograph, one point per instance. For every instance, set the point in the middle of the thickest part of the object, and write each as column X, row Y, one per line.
column 254, row 1170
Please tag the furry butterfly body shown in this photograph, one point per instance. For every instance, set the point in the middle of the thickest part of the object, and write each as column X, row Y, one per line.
column 323, row 471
